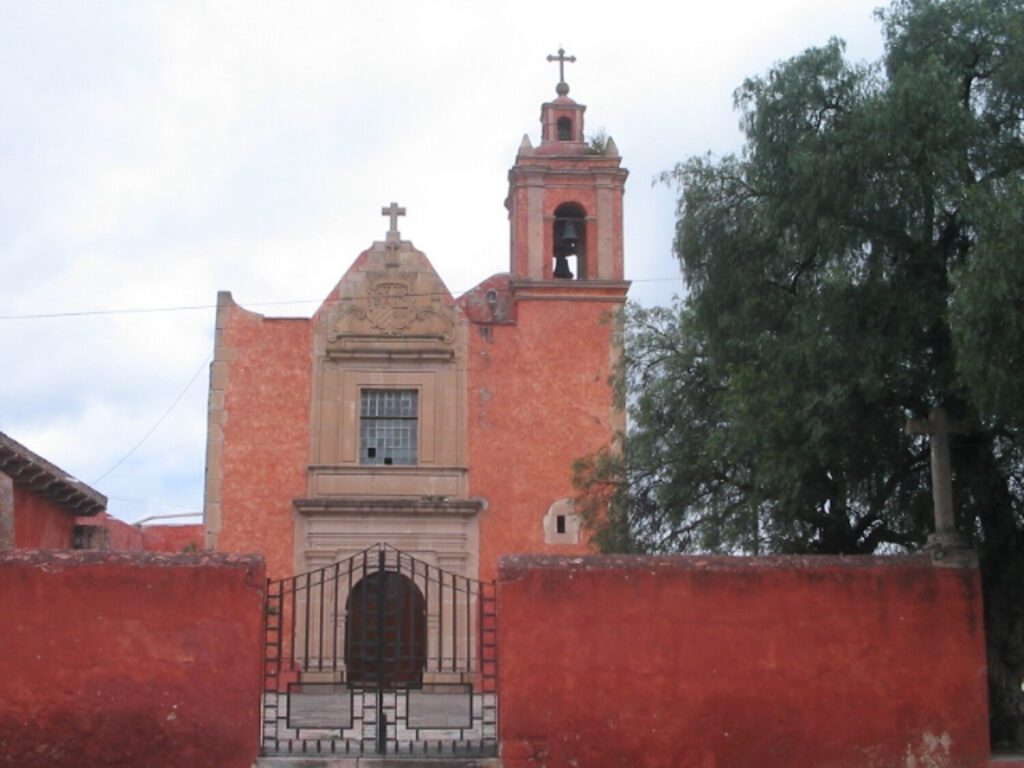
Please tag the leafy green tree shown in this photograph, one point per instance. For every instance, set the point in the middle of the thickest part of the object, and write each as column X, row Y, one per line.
column 861, row 262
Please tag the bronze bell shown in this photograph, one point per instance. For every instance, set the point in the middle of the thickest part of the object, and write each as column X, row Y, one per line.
column 569, row 235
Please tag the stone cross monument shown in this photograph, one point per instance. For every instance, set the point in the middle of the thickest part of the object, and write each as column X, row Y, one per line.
column 938, row 427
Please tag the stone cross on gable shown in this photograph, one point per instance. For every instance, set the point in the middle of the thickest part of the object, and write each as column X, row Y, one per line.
column 393, row 211
column 393, row 241
column 938, row 427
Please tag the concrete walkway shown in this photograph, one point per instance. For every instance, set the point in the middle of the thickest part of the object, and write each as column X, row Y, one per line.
column 997, row 761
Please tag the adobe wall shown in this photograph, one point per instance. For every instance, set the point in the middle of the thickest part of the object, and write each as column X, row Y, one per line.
column 172, row 538
column 114, row 659
column 538, row 399
column 734, row 662
column 40, row 522
column 258, row 442
column 121, row 536
column 124, row 537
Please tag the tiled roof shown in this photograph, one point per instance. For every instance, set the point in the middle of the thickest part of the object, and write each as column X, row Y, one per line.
column 30, row 470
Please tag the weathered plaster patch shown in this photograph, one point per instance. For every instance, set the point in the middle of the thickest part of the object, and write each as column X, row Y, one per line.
column 932, row 752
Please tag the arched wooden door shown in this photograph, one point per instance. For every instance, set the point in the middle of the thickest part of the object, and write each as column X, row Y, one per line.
column 386, row 631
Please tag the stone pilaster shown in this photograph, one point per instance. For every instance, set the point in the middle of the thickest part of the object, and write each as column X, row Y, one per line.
column 6, row 512
column 222, row 355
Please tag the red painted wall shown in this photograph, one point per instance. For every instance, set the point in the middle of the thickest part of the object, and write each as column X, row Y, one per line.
column 172, row 538
column 113, row 659
column 538, row 399
column 121, row 536
column 266, row 435
column 39, row 522
column 741, row 662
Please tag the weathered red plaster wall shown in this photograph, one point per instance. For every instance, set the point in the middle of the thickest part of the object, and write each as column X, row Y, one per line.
column 538, row 399
column 121, row 536
column 741, row 662
column 39, row 522
column 113, row 659
column 266, row 435
column 172, row 538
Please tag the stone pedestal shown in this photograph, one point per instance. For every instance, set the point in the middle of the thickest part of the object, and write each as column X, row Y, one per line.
column 950, row 549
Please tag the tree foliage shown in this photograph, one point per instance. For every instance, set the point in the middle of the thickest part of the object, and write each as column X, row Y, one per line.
column 861, row 262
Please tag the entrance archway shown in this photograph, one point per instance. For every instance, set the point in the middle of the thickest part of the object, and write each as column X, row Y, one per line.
column 350, row 667
column 386, row 631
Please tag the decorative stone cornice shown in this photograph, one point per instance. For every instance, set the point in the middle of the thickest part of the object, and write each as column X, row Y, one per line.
column 570, row 290
column 366, row 505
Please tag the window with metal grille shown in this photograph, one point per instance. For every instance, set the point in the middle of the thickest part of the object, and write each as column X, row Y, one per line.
column 387, row 426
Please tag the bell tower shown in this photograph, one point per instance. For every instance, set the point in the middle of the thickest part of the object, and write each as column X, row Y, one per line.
column 544, row 340
column 565, row 198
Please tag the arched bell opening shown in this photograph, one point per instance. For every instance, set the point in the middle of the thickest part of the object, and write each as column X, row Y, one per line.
column 563, row 129
column 569, row 242
column 386, row 631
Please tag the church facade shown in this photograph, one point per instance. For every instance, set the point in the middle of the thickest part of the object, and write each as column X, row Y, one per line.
column 444, row 426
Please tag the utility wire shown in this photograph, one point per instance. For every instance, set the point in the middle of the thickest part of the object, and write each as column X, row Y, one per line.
column 141, row 310
column 159, row 421
column 132, row 500
column 194, row 307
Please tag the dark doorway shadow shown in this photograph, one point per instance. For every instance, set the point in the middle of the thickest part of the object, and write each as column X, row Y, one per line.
column 386, row 631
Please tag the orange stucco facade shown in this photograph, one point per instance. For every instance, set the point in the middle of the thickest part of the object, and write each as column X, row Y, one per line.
column 538, row 401
column 510, row 384
column 260, row 380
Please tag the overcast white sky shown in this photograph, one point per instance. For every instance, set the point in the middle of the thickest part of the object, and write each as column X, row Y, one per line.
column 152, row 154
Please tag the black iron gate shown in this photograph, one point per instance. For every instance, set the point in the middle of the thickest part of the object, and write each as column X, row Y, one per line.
column 380, row 653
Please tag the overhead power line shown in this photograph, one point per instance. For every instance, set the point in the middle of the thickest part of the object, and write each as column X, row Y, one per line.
column 194, row 307
column 141, row 310
column 159, row 421
column 157, row 502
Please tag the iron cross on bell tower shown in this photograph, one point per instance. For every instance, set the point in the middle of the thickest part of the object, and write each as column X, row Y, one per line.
column 562, row 89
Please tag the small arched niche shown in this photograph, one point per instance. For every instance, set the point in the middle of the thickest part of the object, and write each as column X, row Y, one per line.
column 569, row 244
